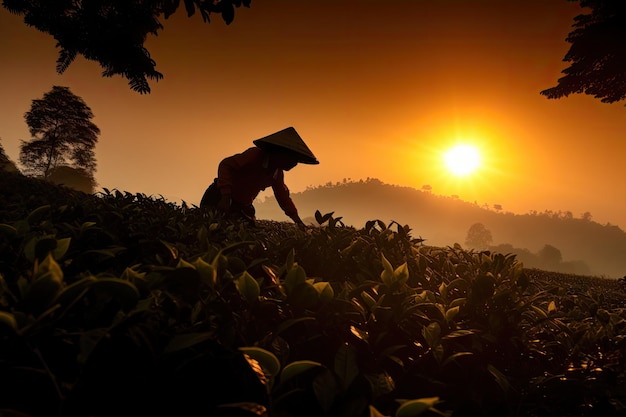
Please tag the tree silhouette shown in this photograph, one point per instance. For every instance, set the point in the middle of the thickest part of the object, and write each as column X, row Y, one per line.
column 586, row 216
column 62, row 132
column 597, row 54
column 550, row 256
column 478, row 237
column 110, row 32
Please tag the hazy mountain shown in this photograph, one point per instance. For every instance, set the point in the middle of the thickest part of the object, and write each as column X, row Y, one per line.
column 548, row 240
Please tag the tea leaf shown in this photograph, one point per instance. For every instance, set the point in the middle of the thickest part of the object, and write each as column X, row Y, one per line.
column 184, row 264
column 295, row 276
column 47, row 284
column 552, row 307
column 172, row 250
column 346, row 366
column 8, row 320
column 326, row 389
column 368, row 299
column 36, row 215
column 186, row 340
column 289, row 262
column 381, row 383
column 207, row 272
column 38, row 248
column 61, row 247
column 417, row 407
column 431, row 333
column 124, row 291
column 499, row 377
column 8, row 231
column 539, row 311
column 268, row 361
column 303, row 296
column 75, row 290
column 452, row 358
column 458, row 284
column 387, row 275
column 49, row 266
column 296, row 368
column 457, row 302
column 318, row 217
column 248, row 287
column 325, row 291
column 451, row 313
column 289, row 323
column 361, row 334
column 401, row 274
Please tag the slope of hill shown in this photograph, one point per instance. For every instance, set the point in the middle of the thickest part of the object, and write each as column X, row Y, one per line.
column 108, row 300
column 586, row 247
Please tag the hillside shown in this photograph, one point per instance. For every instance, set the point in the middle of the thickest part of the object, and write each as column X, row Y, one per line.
column 586, row 247
column 122, row 304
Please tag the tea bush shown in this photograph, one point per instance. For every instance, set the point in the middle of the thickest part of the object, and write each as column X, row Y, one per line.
column 125, row 304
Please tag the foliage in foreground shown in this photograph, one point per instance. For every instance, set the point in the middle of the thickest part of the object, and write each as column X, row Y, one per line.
column 124, row 304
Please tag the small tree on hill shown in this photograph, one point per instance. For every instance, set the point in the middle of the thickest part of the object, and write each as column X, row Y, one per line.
column 550, row 256
column 62, row 134
column 478, row 237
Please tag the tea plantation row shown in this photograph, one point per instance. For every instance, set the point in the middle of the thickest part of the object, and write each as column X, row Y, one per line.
column 123, row 304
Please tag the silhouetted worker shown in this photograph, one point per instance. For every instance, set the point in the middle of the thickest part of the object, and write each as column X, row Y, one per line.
column 241, row 177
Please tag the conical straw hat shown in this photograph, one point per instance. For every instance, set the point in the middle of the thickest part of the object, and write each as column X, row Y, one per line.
column 288, row 139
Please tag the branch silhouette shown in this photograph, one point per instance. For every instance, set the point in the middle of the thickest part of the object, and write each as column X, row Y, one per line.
column 113, row 33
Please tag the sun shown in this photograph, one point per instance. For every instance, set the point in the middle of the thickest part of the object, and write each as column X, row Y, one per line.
column 462, row 160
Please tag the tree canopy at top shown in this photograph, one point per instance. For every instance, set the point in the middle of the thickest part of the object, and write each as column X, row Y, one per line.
column 112, row 32
column 597, row 53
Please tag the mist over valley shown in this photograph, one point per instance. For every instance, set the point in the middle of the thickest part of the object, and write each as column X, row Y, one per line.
column 553, row 241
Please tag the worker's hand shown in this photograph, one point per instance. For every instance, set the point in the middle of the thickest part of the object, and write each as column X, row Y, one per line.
column 224, row 204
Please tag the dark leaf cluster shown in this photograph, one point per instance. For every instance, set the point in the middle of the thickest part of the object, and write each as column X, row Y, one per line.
column 112, row 32
column 597, row 55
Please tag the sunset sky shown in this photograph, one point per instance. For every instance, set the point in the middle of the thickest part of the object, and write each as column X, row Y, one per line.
column 376, row 88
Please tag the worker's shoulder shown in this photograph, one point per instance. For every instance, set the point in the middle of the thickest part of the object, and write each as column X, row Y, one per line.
column 251, row 153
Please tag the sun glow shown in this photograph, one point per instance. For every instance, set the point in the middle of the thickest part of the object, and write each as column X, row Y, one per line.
column 469, row 160
column 462, row 160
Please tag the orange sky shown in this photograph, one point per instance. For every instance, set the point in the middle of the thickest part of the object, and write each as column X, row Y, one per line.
column 377, row 88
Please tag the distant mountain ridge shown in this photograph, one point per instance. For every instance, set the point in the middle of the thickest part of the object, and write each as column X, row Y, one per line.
column 587, row 247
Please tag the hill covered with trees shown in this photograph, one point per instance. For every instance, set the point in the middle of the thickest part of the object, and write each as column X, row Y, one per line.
column 554, row 241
